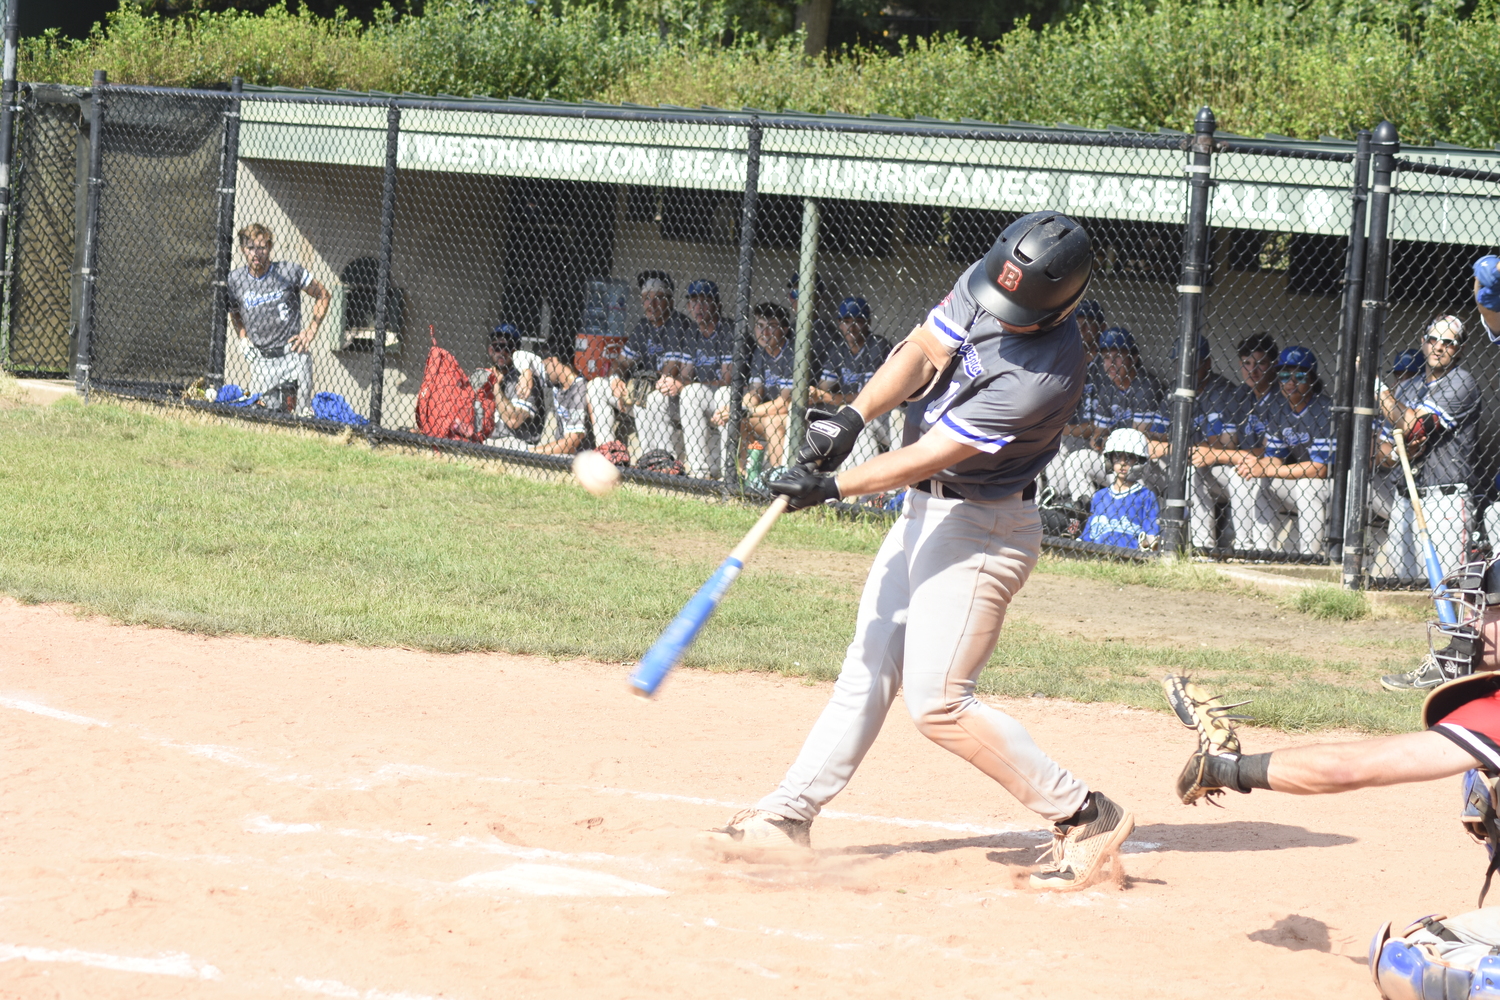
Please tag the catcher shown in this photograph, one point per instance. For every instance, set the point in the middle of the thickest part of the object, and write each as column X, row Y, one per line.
column 1462, row 719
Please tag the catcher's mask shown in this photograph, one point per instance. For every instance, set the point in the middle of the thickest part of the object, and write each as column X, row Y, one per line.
column 1469, row 590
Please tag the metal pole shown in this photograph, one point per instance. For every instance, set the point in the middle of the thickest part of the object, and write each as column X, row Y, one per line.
column 383, row 282
column 8, row 109
column 1384, row 148
column 85, row 351
column 1194, row 276
column 229, row 161
column 1343, row 377
column 807, row 294
column 743, row 330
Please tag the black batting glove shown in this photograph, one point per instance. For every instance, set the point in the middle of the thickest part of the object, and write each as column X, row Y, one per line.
column 830, row 438
column 805, row 487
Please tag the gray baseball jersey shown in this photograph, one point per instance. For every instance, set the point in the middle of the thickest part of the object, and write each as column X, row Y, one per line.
column 649, row 347
column 270, row 306
column 772, row 373
column 708, row 355
column 1007, row 394
column 1220, row 407
column 849, row 370
column 1454, row 399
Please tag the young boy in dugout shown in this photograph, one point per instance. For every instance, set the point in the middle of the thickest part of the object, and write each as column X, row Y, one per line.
column 1125, row 513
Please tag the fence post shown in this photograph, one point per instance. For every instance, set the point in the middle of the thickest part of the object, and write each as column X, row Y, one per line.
column 1367, row 362
column 807, row 300
column 743, row 329
column 1194, row 277
column 383, row 282
column 85, row 351
column 229, row 160
column 1343, row 377
column 7, row 139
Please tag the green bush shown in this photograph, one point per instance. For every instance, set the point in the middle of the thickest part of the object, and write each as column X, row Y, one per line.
column 1301, row 69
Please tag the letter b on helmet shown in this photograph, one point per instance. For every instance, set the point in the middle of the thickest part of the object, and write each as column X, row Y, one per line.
column 1036, row 272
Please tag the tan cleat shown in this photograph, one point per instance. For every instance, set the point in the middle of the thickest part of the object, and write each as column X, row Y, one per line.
column 1078, row 852
column 758, row 835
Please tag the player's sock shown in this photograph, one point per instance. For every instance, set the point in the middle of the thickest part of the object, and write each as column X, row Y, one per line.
column 1087, row 813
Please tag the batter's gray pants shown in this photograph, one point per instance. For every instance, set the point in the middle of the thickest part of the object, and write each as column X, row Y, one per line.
column 929, row 618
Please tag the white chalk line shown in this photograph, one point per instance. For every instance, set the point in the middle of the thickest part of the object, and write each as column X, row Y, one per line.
column 173, row 963
column 237, row 758
column 36, row 708
column 183, row 966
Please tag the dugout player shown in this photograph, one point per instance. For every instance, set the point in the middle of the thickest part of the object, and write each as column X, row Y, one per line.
column 849, row 364
column 992, row 376
column 265, row 306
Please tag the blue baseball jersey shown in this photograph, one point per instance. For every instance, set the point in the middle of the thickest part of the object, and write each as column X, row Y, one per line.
column 1119, row 519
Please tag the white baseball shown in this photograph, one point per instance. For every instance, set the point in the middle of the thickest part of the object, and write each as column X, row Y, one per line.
column 595, row 473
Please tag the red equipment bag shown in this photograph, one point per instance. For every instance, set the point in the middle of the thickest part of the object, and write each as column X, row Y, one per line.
column 450, row 404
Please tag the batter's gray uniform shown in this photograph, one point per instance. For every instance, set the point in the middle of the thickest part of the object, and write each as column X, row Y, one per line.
column 936, row 596
column 270, row 309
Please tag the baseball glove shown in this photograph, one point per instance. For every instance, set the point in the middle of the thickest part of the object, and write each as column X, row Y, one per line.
column 1201, row 711
column 637, row 389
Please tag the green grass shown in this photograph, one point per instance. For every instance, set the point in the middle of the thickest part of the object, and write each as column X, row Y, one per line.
column 220, row 528
column 1323, row 601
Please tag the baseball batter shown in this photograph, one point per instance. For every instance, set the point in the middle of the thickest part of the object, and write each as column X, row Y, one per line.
column 992, row 375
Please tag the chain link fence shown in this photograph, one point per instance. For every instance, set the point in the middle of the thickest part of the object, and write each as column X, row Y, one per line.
column 524, row 280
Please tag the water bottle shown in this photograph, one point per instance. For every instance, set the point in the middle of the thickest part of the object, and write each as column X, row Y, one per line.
column 755, row 460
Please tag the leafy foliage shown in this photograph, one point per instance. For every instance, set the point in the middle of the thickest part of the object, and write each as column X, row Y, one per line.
column 1301, row 69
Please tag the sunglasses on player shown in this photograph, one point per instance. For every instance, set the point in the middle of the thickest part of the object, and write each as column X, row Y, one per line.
column 1445, row 341
column 1292, row 375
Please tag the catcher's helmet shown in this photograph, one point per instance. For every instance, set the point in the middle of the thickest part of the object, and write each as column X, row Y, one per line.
column 1036, row 272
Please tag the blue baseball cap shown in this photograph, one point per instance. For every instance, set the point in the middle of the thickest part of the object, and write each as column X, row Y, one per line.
column 507, row 333
column 1117, row 338
column 1297, row 356
column 1408, row 362
column 703, row 287
column 1202, row 347
column 1089, row 309
column 854, row 306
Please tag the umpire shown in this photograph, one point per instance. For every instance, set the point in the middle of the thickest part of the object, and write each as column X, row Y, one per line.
column 990, row 377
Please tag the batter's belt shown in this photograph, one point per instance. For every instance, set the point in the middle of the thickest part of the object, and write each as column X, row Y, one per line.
column 945, row 491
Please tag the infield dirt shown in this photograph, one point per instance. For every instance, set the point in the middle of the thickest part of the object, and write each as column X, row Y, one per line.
column 220, row 817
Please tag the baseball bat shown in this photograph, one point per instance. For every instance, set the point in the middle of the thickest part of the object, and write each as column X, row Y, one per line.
column 1445, row 611
column 675, row 639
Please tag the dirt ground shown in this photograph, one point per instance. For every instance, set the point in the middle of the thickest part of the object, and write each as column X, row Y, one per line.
column 189, row 816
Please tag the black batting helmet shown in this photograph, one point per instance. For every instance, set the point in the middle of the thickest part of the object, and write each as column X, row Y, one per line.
column 1036, row 272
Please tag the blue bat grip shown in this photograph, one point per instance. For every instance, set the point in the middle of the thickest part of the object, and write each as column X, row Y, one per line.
column 679, row 635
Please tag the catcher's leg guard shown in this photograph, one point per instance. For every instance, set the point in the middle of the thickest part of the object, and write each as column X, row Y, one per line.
column 1405, row 971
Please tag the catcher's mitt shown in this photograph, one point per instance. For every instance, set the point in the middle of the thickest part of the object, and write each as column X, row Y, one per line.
column 637, row 389
column 1201, row 711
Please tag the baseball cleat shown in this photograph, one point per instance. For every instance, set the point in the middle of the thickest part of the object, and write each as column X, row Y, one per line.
column 1078, row 852
column 758, row 835
column 1427, row 675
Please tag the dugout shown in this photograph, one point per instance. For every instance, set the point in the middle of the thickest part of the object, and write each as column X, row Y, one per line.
column 515, row 210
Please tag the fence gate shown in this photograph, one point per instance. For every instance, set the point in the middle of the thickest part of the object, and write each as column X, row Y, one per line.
column 49, row 158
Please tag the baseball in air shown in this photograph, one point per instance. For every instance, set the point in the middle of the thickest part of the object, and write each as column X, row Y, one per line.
column 595, row 473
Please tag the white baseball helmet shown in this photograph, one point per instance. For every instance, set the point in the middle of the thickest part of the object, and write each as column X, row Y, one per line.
column 1127, row 441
